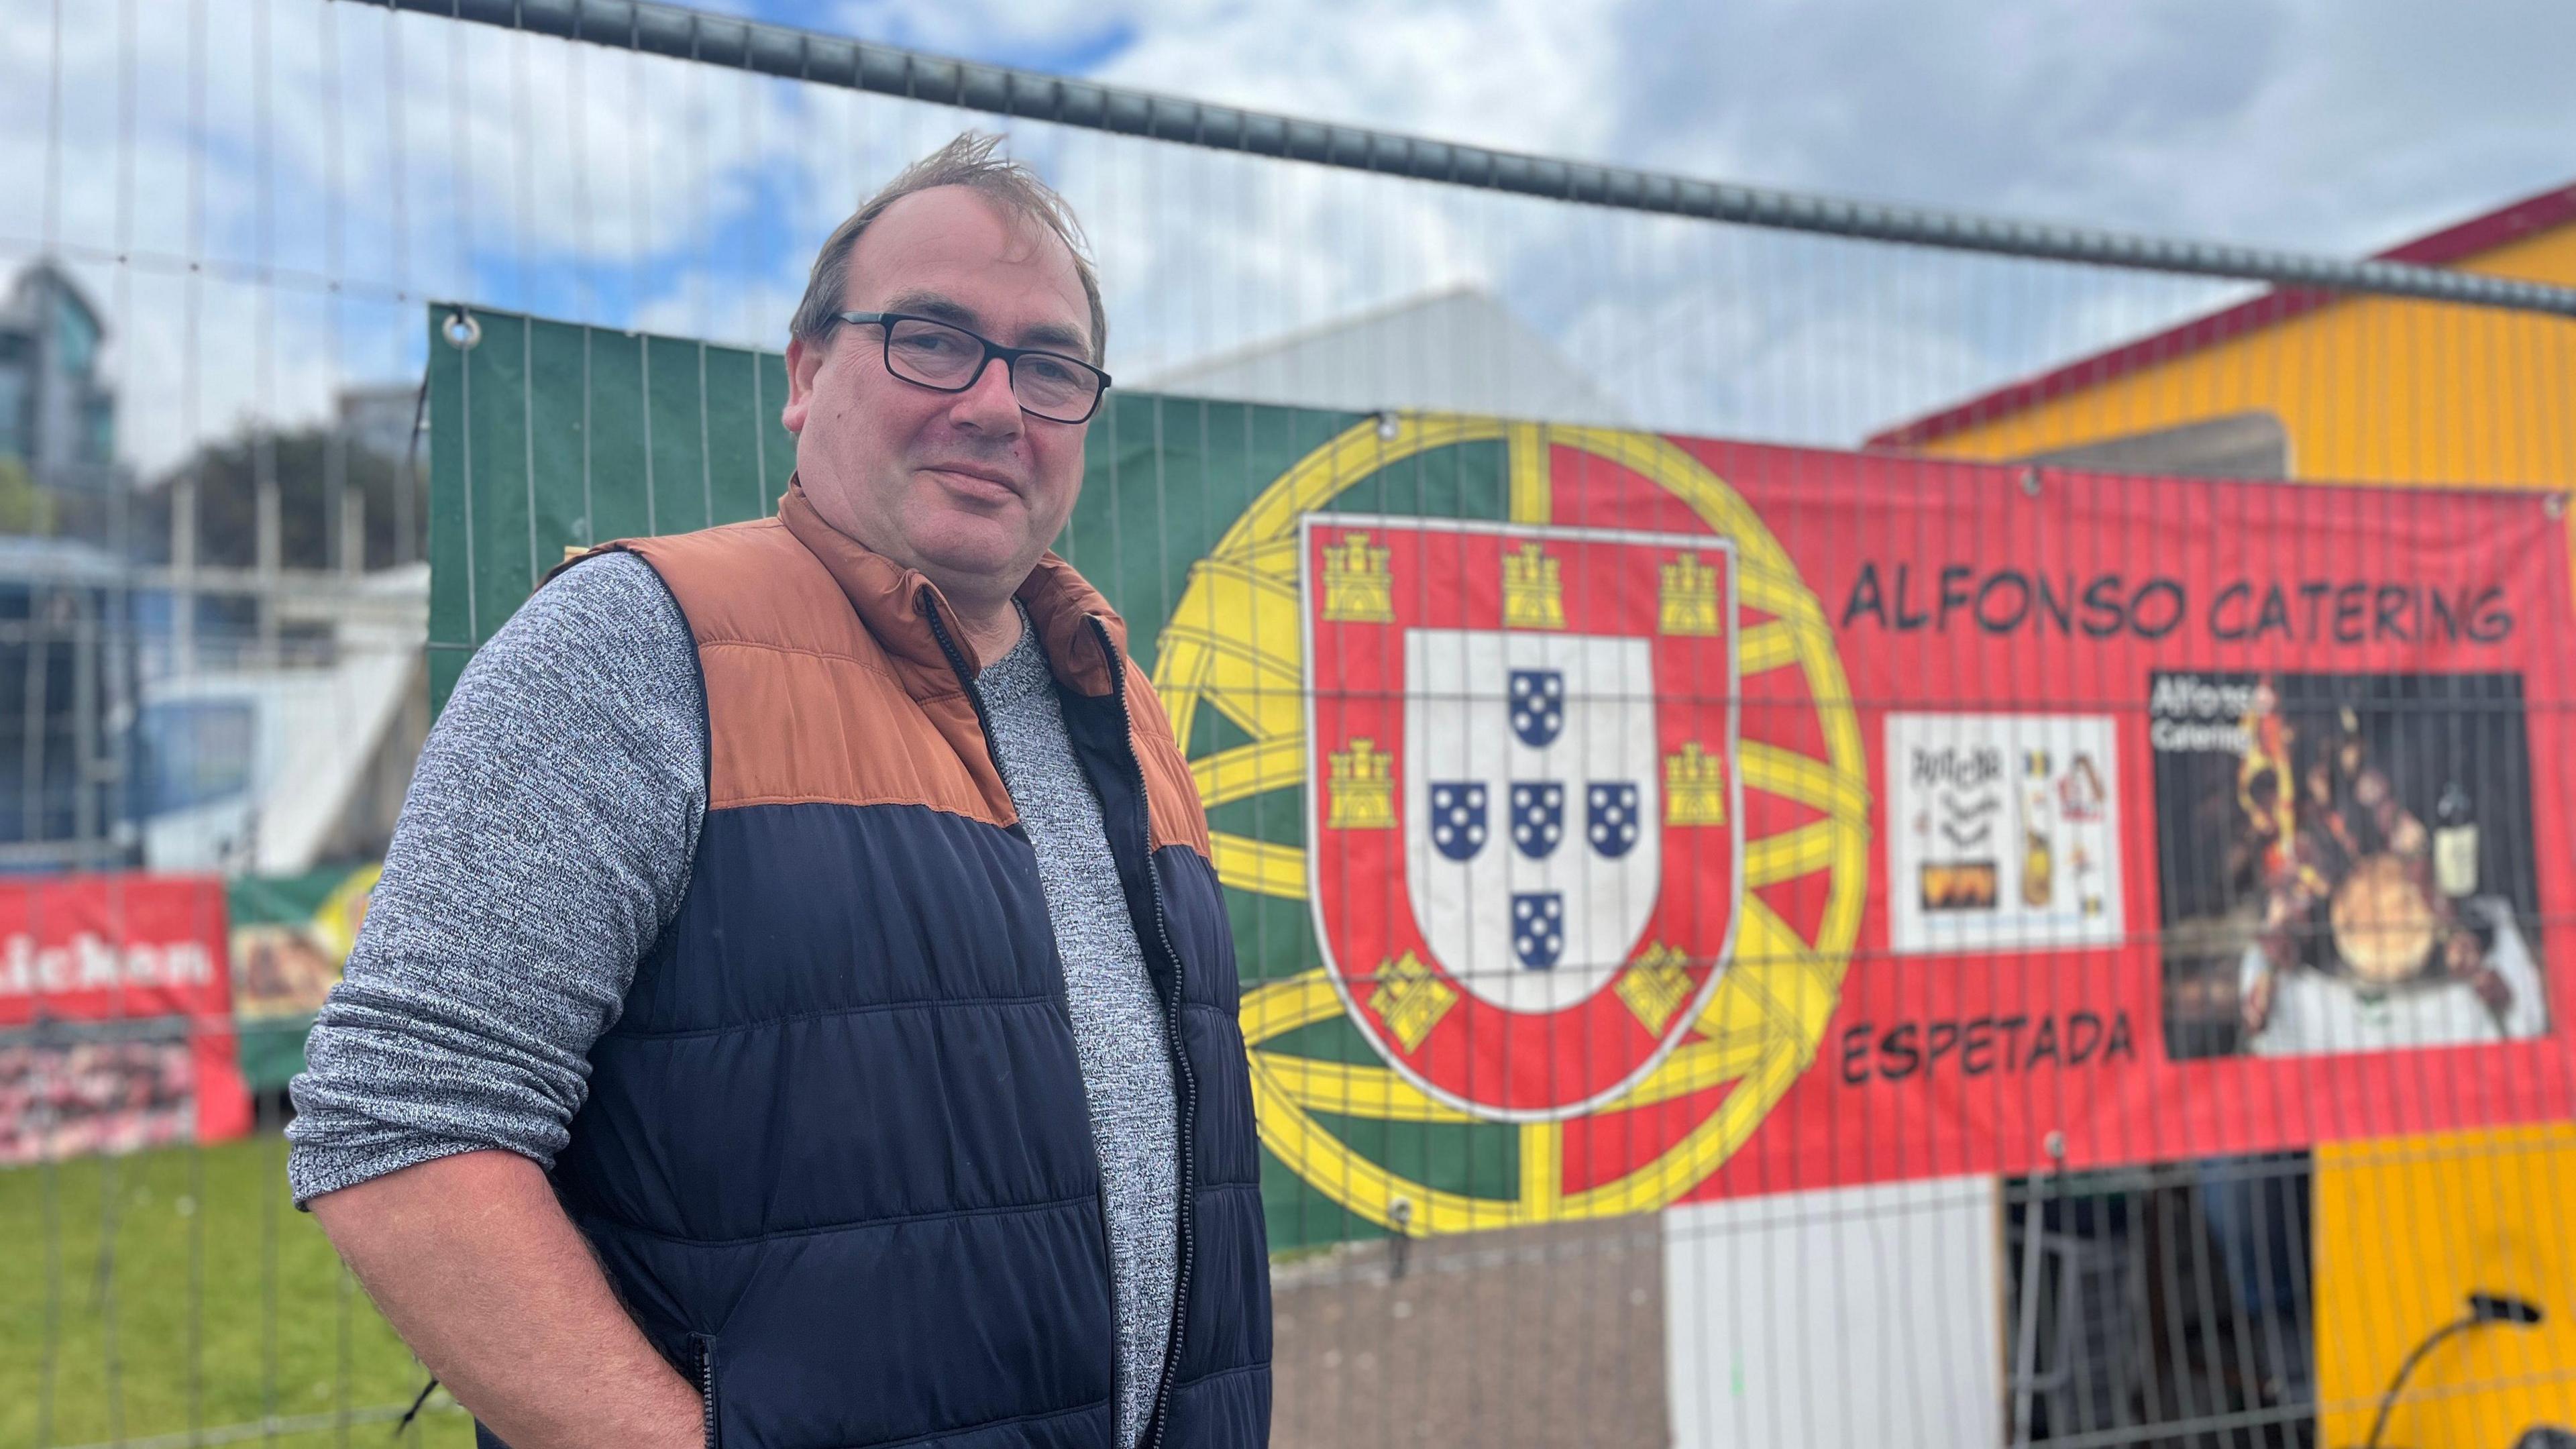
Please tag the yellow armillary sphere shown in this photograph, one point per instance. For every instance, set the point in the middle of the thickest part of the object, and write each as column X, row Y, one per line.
column 1234, row 644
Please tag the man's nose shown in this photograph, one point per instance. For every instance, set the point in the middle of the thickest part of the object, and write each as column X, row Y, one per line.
column 988, row 404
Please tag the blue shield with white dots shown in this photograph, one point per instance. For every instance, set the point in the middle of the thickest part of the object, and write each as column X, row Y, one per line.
column 1538, row 928
column 1457, row 821
column 1538, row 817
column 1537, row 701
column 1610, row 819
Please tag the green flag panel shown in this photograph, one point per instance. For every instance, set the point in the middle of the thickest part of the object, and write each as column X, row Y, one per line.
column 546, row 436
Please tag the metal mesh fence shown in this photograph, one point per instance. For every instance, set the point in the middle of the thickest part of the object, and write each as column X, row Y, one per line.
column 2046, row 923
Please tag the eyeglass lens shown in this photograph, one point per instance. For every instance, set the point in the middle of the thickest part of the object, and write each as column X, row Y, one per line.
column 942, row 356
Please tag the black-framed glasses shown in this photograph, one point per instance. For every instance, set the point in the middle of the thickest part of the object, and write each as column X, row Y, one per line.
column 948, row 358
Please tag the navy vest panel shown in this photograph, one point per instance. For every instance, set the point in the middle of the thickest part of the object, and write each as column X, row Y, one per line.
column 836, row 1148
column 1228, row 1327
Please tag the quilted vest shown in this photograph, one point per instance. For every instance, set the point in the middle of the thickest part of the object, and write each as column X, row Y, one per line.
column 836, row 1156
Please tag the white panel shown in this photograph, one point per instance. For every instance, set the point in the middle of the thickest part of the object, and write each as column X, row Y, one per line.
column 1866, row 1315
column 1458, row 351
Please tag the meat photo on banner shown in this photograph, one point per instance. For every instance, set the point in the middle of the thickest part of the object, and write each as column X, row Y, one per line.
column 2346, row 862
column 116, row 1025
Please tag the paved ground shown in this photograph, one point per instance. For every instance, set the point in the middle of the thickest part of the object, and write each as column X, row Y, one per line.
column 1528, row 1337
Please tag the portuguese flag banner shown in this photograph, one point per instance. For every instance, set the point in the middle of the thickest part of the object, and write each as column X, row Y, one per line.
column 1612, row 820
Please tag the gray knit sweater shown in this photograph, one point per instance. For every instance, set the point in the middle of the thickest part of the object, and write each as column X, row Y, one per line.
column 546, row 842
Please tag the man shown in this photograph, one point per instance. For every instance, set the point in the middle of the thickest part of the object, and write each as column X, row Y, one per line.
column 798, row 1008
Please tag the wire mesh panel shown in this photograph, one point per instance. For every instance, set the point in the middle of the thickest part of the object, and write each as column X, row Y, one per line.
column 1841, row 825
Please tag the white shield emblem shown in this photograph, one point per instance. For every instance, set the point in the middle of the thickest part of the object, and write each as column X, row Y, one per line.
column 1533, row 852
column 1526, row 840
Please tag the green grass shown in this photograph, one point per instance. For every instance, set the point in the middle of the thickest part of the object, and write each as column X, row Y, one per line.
column 148, row 1295
column 215, row 1306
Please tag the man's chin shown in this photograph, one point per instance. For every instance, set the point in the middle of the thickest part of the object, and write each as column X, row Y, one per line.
column 993, row 559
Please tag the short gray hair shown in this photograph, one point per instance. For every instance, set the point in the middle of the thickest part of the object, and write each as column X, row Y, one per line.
column 967, row 161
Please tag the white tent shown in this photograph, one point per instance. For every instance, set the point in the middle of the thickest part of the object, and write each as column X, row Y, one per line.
column 1456, row 351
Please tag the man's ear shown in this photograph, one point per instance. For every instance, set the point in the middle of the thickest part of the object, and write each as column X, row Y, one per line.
column 804, row 359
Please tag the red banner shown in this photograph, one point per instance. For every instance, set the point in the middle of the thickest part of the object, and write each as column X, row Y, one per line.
column 116, row 1027
column 1739, row 819
column 2204, row 818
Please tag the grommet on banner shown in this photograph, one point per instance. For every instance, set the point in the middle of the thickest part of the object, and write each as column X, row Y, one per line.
column 2555, row 505
column 2054, row 1144
column 1387, row 426
column 461, row 330
column 2030, row 482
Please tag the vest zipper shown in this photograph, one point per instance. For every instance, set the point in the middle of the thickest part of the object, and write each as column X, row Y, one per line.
column 706, row 1345
column 1183, row 1074
column 1063, row 998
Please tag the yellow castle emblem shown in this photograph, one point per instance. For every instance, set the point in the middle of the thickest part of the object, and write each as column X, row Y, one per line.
column 1358, row 589
column 1688, row 599
column 1363, row 789
column 1533, row 593
column 1656, row 985
column 1694, row 787
column 1411, row 998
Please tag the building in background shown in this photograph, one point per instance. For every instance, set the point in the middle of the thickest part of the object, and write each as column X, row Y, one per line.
column 67, row 691
column 218, row 667
column 67, row 662
column 2304, row 384
column 57, row 413
column 1458, row 351
column 383, row 420
column 285, row 699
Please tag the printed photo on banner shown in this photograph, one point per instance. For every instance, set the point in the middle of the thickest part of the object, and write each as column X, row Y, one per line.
column 116, row 1025
column 116, row 1087
column 291, row 935
column 2346, row 862
column 2003, row 832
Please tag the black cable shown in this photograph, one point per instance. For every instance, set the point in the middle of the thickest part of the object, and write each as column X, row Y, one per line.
column 2388, row 1399
column 414, row 1411
column 2484, row 1308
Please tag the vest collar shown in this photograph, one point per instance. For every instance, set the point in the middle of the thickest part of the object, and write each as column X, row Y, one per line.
column 895, row 604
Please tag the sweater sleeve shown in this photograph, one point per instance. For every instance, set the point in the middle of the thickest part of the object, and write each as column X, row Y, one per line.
column 544, row 844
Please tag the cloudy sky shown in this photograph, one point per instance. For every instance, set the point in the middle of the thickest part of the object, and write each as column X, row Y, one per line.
column 288, row 180
column 2339, row 125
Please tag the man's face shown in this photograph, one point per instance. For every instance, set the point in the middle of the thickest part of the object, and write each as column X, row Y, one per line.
column 963, row 486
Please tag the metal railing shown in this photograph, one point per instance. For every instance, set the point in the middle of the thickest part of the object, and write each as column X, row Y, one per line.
column 811, row 56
